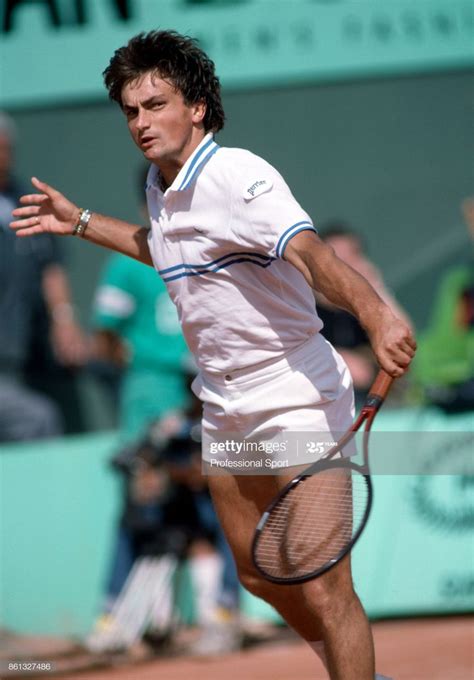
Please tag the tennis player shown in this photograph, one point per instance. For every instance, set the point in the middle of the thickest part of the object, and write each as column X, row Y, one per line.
column 239, row 256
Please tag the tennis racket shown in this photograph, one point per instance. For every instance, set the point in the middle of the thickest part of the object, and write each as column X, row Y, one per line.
column 317, row 517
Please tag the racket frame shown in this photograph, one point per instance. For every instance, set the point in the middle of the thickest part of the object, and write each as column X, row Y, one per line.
column 374, row 401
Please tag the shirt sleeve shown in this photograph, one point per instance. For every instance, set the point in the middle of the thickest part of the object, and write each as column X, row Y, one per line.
column 114, row 303
column 266, row 215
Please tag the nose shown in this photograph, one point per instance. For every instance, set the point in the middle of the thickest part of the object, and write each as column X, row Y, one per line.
column 142, row 121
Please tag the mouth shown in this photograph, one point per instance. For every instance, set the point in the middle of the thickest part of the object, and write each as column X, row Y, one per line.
column 145, row 142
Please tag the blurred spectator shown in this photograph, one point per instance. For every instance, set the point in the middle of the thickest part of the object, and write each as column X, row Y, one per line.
column 137, row 330
column 214, row 574
column 176, row 442
column 340, row 327
column 444, row 365
column 31, row 276
column 58, row 352
column 168, row 511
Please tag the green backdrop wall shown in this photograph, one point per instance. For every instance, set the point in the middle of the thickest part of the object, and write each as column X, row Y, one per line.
column 253, row 42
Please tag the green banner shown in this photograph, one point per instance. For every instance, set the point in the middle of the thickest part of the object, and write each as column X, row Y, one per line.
column 55, row 50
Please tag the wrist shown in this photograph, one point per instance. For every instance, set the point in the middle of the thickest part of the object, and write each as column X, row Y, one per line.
column 375, row 317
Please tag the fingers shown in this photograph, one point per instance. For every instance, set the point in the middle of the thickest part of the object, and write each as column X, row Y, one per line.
column 37, row 199
column 25, row 229
column 411, row 342
column 33, row 199
column 27, row 212
column 395, row 371
column 396, row 358
column 391, row 367
column 45, row 188
column 26, row 222
column 47, row 193
column 394, row 346
column 29, row 216
column 409, row 347
column 403, row 351
column 400, row 356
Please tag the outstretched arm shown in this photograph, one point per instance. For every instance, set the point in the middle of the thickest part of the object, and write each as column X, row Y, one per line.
column 50, row 211
column 391, row 338
column 68, row 341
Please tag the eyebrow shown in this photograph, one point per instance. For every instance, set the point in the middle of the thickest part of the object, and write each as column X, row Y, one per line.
column 144, row 103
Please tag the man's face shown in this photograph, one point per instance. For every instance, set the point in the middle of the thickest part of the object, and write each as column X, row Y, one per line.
column 162, row 125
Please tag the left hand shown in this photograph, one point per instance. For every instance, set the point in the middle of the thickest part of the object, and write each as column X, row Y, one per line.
column 393, row 344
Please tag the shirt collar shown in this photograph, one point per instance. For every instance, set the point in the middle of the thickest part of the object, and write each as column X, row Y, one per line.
column 193, row 166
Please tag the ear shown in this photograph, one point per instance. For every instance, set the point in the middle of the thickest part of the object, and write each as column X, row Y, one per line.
column 199, row 111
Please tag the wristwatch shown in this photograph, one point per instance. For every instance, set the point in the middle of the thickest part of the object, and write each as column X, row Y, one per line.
column 81, row 226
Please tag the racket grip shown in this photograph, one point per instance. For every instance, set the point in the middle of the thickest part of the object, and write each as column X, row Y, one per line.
column 379, row 389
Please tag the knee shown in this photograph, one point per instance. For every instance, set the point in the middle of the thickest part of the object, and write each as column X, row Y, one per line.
column 328, row 597
column 257, row 585
column 322, row 596
column 278, row 595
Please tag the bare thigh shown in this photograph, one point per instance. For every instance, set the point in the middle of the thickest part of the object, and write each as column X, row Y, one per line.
column 239, row 502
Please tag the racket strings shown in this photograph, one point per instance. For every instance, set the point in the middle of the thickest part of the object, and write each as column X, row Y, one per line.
column 312, row 524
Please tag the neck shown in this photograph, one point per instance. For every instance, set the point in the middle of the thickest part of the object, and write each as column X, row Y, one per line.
column 169, row 170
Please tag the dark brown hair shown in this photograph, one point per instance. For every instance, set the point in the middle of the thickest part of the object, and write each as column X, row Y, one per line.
column 175, row 58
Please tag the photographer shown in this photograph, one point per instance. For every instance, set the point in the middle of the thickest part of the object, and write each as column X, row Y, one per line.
column 168, row 511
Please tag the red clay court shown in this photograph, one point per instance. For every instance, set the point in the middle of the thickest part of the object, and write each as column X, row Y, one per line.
column 416, row 649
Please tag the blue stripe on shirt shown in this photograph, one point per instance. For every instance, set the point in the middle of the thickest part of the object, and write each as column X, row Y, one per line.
column 191, row 170
column 166, row 279
column 290, row 232
column 184, row 186
column 213, row 262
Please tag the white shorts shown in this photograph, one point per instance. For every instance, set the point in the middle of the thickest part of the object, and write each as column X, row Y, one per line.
column 309, row 390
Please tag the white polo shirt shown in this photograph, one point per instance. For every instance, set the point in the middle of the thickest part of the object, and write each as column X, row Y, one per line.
column 218, row 237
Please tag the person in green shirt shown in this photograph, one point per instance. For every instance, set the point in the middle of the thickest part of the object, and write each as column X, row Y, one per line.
column 137, row 328
column 444, row 368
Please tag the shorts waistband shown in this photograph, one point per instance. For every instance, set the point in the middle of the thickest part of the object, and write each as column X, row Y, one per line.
column 265, row 368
